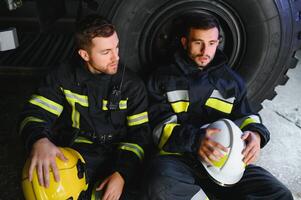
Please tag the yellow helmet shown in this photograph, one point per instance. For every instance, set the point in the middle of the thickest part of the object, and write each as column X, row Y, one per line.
column 72, row 179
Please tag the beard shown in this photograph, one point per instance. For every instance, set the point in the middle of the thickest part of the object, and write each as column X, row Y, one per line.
column 201, row 60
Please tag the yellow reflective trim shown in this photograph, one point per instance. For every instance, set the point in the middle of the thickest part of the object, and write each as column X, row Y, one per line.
column 93, row 193
column 104, row 104
column 137, row 119
column 78, row 98
column 123, row 104
column 29, row 119
column 219, row 105
column 136, row 149
column 181, row 106
column 247, row 122
column 73, row 98
column 165, row 153
column 166, row 134
column 83, row 140
column 96, row 195
column 46, row 104
column 217, row 95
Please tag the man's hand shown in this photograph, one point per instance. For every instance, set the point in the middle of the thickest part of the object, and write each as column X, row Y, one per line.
column 114, row 186
column 43, row 156
column 252, row 150
column 209, row 149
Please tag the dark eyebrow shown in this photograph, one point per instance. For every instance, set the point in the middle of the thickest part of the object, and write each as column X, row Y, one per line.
column 196, row 39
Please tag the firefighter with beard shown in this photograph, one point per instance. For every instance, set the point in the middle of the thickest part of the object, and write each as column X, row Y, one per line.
column 196, row 89
column 94, row 105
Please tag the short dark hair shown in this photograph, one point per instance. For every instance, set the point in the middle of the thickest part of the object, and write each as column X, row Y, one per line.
column 199, row 21
column 90, row 27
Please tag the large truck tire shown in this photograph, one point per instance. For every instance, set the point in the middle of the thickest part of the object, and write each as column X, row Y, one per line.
column 260, row 38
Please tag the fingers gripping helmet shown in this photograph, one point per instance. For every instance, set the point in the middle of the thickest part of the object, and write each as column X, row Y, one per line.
column 230, row 168
column 72, row 179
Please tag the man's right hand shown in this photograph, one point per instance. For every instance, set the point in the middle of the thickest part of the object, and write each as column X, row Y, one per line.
column 210, row 150
column 43, row 156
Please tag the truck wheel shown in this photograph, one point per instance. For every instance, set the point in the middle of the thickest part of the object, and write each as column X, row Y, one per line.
column 260, row 37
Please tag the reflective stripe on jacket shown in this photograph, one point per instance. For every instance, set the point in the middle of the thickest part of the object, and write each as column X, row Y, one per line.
column 73, row 98
column 183, row 98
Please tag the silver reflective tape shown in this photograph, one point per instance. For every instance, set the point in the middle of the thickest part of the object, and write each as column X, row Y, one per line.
column 77, row 98
column 52, row 107
column 136, row 119
column 158, row 130
column 8, row 39
column 200, row 195
column 178, row 95
column 216, row 94
column 122, row 105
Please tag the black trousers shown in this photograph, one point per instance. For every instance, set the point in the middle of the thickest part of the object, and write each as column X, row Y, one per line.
column 177, row 178
column 99, row 161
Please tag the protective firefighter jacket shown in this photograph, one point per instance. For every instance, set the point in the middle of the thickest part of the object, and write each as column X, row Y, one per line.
column 80, row 100
column 183, row 98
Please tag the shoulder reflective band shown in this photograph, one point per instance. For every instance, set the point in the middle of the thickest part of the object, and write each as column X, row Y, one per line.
column 73, row 98
column 217, row 102
column 200, row 195
column 122, row 104
column 178, row 95
column 248, row 120
column 46, row 104
column 136, row 149
column 166, row 134
column 82, row 140
column 27, row 120
column 78, row 98
column 179, row 100
column 137, row 119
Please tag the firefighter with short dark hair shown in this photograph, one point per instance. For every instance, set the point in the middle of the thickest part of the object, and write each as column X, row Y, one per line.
column 94, row 105
column 196, row 89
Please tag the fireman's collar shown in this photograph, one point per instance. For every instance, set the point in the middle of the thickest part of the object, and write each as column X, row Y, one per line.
column 83, row 74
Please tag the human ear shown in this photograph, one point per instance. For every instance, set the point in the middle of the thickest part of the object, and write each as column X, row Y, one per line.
column 84, row 55
column 184, row 42
column 220, row 39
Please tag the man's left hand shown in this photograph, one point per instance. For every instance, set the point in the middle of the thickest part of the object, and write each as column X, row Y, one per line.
column 113, row 187
column 252, row 149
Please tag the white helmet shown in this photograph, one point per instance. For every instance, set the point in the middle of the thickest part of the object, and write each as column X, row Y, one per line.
column 230, row 168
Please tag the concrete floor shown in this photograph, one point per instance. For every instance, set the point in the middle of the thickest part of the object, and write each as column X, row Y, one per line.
column 282, row 116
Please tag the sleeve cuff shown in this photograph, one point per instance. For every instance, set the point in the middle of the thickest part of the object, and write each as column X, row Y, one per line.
column 35, row 136
column 262, row 130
